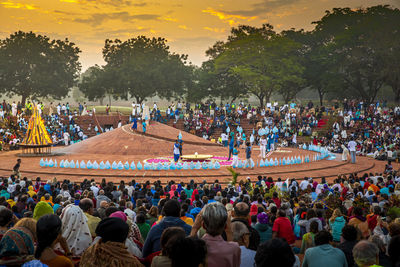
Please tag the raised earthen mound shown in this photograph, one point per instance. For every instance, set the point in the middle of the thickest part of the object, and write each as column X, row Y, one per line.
column 158, row 141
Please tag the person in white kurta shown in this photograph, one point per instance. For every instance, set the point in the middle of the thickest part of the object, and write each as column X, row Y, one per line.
column 263, row 147
column 294, row 140
column 345, row 153
column 133, row 109
column 66, row 138
column 14, row 109
column 51, row 109
column 85, row 112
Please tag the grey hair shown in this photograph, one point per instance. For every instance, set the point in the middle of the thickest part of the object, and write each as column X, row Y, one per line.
column 377, row 241
column 214, row 218
column 238, row 230
column 365, row 253
column 129, row 204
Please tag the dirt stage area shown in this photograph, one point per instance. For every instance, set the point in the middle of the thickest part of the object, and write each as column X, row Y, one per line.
column 123, row 145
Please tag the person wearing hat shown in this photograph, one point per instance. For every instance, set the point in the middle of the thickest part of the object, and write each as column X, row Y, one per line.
column 263, row 227
column 110, row 250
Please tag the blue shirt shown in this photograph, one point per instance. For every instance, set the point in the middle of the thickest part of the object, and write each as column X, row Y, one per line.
column 152, row 243
column 324, row 255
column 231, row 144
column 248, row 152
column 247, row 257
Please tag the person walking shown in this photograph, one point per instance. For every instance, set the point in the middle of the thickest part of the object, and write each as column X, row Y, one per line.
column 235, row 156
column 249, row 160
column 352, row 148
column 231, row 144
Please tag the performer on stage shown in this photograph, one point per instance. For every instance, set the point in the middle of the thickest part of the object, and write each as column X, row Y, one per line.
column 263, row 146
column 134, row 124
column 235, row 156
column 144, row 126
column 249, row 161
column 176, row 151
column 231, row 144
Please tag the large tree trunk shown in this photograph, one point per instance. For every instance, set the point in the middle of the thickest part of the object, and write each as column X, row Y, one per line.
column 23, row 100
column 261, row 99
column 396, row 91
column 138, row 100
column 321, row 96
column 286, row 98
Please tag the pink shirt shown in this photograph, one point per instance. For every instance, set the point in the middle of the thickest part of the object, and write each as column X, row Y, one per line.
column 221, row 253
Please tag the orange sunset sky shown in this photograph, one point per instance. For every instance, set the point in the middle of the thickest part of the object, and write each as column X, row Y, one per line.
column 190, row 26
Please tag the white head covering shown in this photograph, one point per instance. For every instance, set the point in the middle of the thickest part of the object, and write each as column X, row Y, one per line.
column 75, row 229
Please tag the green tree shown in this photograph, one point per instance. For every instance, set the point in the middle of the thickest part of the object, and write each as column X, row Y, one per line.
column 220, row 83
column 144, row 67
column 94, row 84
column 266, row 62
column 34, row 66
column 320, row 71
column 359, row 41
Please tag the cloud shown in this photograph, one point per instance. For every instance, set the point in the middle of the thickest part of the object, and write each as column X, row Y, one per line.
column 218, row 30
column 113, row 3
column 169, row 18
column 60, row 12
column 230, row 18
column 233, row 17
column 184, row 27
column 10, row 4
column 98, row 18
column 119, row 33
column 140, row 4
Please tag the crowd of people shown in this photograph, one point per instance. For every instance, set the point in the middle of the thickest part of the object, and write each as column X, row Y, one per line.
column 354, row 221
column 59, row 122
column 374, row 129
column 206, row 119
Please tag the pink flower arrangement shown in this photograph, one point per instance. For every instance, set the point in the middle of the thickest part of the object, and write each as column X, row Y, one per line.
column 157, row 160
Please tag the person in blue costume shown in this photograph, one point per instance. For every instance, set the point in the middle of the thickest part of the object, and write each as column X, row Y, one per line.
column 180, row 142
column 134, row 124
column 231, row 144
column 144, row 126
column 176, row 151
column 270, row 141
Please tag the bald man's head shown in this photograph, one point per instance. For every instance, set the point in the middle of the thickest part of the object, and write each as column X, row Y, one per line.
column 86, row 205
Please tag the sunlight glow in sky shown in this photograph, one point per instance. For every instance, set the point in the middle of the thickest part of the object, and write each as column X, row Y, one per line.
column 190, row 26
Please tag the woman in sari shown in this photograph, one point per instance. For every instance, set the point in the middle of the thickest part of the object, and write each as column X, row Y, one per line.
column 16, row 246
column 42, row 208
column 75, row 229
column 110, row 250
column 48, row 230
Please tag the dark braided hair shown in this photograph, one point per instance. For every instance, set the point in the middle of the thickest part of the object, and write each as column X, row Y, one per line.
column 48, row 227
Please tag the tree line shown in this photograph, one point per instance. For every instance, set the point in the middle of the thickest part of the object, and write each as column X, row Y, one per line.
column 349, row 54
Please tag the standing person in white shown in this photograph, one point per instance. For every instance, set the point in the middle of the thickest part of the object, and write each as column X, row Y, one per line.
column 352, row 148
column 345, row 153
column 14, row 109
column 66, row 138
column 263, row 146
column 133, row 109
